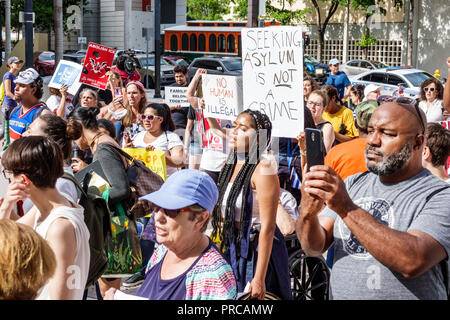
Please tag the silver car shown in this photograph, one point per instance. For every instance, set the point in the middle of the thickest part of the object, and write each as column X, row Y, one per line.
column 355, row 67
column 167, row 76
column 393, row 79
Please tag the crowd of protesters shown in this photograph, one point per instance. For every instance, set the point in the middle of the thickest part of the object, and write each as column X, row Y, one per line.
column 377, row 207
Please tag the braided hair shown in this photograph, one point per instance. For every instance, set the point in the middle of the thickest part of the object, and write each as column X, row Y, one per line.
column 226, row 233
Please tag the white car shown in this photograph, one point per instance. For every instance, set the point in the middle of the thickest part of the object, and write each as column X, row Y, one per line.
column 390, row 79
column 355, row 67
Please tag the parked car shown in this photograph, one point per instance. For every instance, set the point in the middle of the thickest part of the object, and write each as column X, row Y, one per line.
column 74, row 57
column 315, row 68
column 391, row 78
column 231, row 66
column 44, row 63
column 177, row 60
column 166, row 75
column 355, row 67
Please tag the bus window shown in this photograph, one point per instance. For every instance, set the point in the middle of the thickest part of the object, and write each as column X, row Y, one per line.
column 212, row 43
column 173, row 43
column 193, row 42
column 201, row 42
column 230, row 43
column 184, row 42
column 222, row 43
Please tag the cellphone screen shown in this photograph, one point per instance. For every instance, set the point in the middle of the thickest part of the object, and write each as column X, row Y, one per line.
column 117, row 91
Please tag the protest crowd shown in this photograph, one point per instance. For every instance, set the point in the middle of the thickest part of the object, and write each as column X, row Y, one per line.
column 223, row 196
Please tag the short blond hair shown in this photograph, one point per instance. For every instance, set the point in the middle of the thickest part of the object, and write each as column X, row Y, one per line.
column 27, row 261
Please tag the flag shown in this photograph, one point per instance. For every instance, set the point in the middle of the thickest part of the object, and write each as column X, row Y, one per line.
column 295, row 179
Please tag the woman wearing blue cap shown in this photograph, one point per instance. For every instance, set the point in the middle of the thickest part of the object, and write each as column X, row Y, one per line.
column 244, row 218
column 186, row 265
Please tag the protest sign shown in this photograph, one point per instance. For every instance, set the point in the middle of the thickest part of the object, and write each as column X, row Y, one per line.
column 97, row 63
column 68, row 73
column 272, row 63
column 155, row 160
column 223, row 96
column 176, row 96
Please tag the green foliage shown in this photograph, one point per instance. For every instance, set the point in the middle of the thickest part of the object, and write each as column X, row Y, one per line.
column 207, row 9
column 44, row 13
column 367, row 40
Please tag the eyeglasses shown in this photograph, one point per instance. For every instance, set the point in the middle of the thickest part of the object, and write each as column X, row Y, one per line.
column 431, row 89
column 315, row 104
column 406, row 101
column 149, row 117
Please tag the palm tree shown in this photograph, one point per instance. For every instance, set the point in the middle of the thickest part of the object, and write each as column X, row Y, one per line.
column 58, row 18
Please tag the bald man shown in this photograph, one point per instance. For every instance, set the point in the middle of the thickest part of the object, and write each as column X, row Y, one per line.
column 390, row 225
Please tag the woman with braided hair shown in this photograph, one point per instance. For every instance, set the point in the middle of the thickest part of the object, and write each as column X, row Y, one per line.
column 244, row 218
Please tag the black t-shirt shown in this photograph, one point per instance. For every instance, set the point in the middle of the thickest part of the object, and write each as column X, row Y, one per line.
column 179, row 117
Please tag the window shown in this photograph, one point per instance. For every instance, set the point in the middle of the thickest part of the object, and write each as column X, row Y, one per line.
column 201, row 42
column 417, row 78
column 222, row 43
column 184, row 42
column 230, row 43
column 394, row 80
column 377, row 77
column 193, row 42
column 366, row 65
column 232, row 65
column 353, row 63
column 173, row 43
column 168, row 11
column 207, row 64
column 212, row 43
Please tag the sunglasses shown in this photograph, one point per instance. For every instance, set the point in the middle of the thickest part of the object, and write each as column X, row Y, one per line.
column 431, row 89
column 407, row 101
column 171, row 213
column 148, row 117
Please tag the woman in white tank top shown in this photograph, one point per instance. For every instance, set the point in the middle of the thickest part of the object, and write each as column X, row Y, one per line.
column 33, row 164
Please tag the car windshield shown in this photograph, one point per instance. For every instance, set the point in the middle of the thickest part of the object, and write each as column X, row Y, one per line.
column 47, row 56
column 232, row 65
column 151, row 62
column 379, row 65
column 417, row 78
column 181, row 62
column 311, row 59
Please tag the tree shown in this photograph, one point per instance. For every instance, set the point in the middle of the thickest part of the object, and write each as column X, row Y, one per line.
column 283, row 16
column 57, row 8
column 207, row 9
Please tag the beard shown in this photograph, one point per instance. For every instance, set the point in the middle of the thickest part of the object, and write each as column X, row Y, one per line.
column 391, row 163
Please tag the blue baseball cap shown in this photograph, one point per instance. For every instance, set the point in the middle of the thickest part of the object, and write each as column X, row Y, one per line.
column 185, row 188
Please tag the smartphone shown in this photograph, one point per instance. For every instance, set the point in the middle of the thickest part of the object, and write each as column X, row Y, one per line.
column 117, row 91
column 314, row 147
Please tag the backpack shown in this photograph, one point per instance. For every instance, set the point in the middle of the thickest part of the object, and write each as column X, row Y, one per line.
column 98, row 222
column 142, row 181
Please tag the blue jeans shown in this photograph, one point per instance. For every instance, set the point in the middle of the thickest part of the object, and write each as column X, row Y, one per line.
column 147, row 246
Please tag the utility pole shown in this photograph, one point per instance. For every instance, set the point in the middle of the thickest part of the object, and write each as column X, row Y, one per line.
column 28, row 19
column 7, row 28
column 157, row 49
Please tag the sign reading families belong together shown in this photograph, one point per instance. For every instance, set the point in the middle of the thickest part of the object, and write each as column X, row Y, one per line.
column 272, row 63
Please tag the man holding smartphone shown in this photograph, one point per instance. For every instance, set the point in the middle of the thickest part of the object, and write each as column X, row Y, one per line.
column 390, row 225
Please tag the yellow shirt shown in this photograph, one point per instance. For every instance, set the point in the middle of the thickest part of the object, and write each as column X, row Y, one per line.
column 343, row 116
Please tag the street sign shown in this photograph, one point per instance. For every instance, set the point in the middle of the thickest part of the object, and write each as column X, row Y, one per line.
column 82, row 40
column 26, row 17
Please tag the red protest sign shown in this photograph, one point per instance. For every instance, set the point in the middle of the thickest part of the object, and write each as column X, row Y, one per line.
column 97, row 63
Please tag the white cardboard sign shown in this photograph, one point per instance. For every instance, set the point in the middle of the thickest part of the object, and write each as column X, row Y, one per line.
column 176, row 96
column 223, row 96
column 68, row 73
column 272, row 60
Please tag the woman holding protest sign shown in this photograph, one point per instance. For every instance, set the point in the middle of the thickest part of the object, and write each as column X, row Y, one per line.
column 159, row 135
column 244, row 218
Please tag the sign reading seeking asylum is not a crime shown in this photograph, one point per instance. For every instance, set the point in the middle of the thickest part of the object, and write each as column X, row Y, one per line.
column 272, row 63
